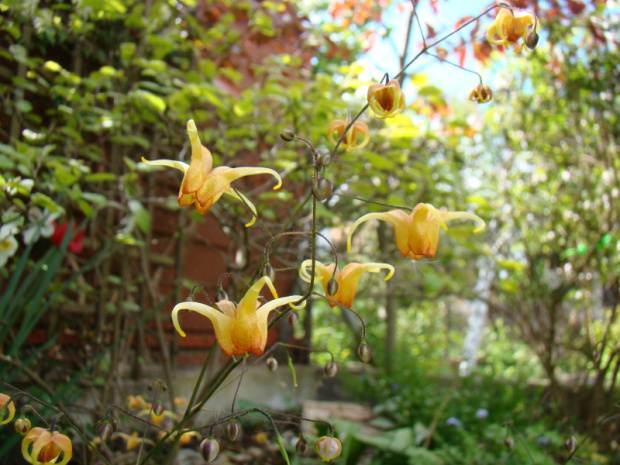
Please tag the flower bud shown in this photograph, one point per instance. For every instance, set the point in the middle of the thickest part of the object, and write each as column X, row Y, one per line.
column 331, row 369
column 332, row 287
column 232, row 430
column 570, row 444
column 272, row 364
column 221, row 295
column 293, row 318
column 158, row 408
column 301, row 446
column 322, row 190
column 105, row 430
column 328, row 448
column 287, row 135
column 532, row 40
column 209, row 449
column 364, row 353
column 325, row 159
column 509, row 442
column 22, row 426
column 269, row 272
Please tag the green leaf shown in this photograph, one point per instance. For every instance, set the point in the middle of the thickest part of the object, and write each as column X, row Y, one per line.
column 100, row 177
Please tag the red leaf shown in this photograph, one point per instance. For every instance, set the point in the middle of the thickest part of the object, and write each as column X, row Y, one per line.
column 462, row 21
column 431, row 31
column 434, row 6
column 462, row 53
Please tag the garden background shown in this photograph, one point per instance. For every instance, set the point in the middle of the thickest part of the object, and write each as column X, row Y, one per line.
column 504, row 348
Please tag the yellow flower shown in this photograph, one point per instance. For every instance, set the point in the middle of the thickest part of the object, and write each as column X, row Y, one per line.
column 386, row 100
column 481, row 94
column 133, row 440
column 135, row 402
column 46, row 447
column 8, row 410
column 242, row 328
column 350, row 140
column 510, row 26
column 202, row 184
column 347, row 279
column 417, row 234
column 328, row 448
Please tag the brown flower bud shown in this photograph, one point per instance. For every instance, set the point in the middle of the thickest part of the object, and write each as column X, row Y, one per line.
column 364, row 353
column 272, row 364
column 232, row 430
column 509, row 442
column 322, row 190
column 332, row 287
column 209, row 449
column 158, row 408
column 570, row 444
column 293, row 318
column 269, row 272
column 22, row 426
column 105, row 430
column 221, row 295
column 532, row 40
column 287, row 135
column 331, row 370
column 301, row 446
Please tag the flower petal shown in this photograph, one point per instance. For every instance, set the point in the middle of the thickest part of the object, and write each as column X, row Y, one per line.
column 467, row 215
column 399, row 221
column 179, row 165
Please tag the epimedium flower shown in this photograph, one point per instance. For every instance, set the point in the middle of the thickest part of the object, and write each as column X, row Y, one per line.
column 347, row 279
column 239, row 328
column 512, row 26
column 202, row 184
column 46, row 447
column 386, row 100
column 350, row 141
column 481, row 94
column 417, row 233
column 7, row 411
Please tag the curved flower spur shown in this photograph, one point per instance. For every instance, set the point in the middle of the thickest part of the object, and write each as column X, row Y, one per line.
column 202, row 184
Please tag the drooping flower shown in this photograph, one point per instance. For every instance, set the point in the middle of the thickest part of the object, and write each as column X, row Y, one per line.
column 386, row 100
column 328, row 448
column 8, row 411
column 511, row 27
column 347, row 279
column 417, row 233
column 239, row 328
column 350, row 140
column 452, row 421
column 202, row 184
column 46, row 447
column 8, row 243
column 481, row 94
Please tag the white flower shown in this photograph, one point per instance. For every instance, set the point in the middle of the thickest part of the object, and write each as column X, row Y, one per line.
column 40, row 224
column 8, row 243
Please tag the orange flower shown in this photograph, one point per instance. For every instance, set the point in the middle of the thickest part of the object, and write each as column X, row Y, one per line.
column 202, row 184
column 386, row 100
column 8, row 410
column 417, row 234
column 350, row 140
column 481, row 94
column 241, row 328
column 511, row 26
column 347, row 279
column 46, row 447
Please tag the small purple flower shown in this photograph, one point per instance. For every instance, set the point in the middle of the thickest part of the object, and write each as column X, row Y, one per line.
column 482, row 413
column 394, row 386
column 543, row 441
column 454, row 422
